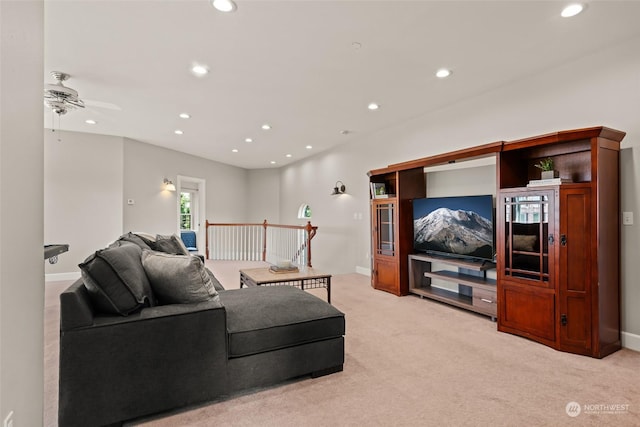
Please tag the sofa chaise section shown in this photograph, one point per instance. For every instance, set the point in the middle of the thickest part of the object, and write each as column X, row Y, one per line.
column 280, row 332
column 115, row 368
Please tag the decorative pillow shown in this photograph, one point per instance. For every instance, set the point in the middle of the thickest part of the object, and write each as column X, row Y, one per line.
column 178, row 279
column 145, row 236
column 214, row 279
column 134, row 238
column 116, row 280
column 169, row 244
column 177, row 241
column 524, row 242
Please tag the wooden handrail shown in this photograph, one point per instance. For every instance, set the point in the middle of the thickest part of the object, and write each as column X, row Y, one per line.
column 310, row 232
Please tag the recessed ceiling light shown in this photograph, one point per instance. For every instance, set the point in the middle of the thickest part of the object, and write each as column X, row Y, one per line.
column 572, row 10
column 266, row 126
column 199, row 70
column 373, row 106
column 288, row 155
column 248, row 140
column 178, row 132
column 345, row 132
column 224, row 5
column 185, row 116
column 273, row 162
column 308, row 147
column 235, row 150
column 90, row 122
column 442, row 73
column 356, row 45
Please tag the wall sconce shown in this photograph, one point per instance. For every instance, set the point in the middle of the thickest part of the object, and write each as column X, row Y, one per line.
column 168, row 185
column 339, row 189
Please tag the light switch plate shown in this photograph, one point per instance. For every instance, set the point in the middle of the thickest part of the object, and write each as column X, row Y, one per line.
column 627, row 218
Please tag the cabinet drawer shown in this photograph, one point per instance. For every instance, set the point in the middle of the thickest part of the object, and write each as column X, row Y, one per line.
column 485, row 300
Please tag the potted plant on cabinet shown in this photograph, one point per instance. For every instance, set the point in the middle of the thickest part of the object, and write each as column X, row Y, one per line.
column 546, row 166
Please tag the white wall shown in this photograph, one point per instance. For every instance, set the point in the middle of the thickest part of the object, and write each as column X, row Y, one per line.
column 600, row 89
column 263, row 195
column 21, row 201
column 630, row 177
column 89, row 177
column 155, row 209
column 342, row 241
column 462, row 181
column 82, row 196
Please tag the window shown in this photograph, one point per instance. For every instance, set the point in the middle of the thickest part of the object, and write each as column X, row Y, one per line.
column 304, row 211
column 190, row 205
column 186, row 215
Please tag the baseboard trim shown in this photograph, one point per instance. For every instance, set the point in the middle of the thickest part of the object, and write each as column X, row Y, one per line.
column 57, row 277
column 363, row 270
column 630, row 341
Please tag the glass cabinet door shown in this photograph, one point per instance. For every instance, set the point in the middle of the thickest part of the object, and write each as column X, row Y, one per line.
column 527, row 236
column 384, row 221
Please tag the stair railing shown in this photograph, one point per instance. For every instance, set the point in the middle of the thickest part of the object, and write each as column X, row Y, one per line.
column 260, row 242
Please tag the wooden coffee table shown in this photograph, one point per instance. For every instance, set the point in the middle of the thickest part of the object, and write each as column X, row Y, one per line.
column 306, row 278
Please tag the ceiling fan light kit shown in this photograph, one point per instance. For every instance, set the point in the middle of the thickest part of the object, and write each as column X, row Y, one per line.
column 61, row 98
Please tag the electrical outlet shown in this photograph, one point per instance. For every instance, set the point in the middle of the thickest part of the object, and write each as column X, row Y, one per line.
column 8, row 421
column 627, row 218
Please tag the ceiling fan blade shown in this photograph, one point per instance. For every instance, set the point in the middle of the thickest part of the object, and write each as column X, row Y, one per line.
column 101, row 104
column 76, row 103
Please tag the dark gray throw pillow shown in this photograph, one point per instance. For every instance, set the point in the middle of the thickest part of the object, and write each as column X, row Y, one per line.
column 134, row 238
column 116, row 280
column 178, row 279
column 169, row 244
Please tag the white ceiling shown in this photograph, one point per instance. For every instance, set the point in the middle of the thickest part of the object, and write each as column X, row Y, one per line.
column 293, row 64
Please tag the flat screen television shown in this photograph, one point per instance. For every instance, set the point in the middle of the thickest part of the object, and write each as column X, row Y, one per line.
column 460, row 227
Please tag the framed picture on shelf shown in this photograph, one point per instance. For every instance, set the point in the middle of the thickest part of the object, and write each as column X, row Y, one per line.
column 378, row 190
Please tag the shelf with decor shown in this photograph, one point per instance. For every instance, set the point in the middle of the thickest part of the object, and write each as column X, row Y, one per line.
column 392, row 233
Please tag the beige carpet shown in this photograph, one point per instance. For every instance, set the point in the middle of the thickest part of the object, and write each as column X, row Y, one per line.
column 414, row 362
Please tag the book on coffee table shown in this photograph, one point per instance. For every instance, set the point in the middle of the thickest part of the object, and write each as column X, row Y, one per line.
column 290, row 269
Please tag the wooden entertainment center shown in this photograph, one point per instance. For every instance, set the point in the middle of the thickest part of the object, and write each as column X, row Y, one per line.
column 557, row 246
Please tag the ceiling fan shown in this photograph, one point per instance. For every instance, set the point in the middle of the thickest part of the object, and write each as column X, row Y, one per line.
column 61, row 98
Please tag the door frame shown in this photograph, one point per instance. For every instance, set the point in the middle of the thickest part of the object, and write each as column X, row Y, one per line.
column 200, row 184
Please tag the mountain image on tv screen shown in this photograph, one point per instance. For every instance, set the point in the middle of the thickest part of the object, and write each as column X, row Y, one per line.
column 454, row 225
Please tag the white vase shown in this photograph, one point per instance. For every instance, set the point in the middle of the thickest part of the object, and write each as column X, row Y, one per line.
column 550, row 174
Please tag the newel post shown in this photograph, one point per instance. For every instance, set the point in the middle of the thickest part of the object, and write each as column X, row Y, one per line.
column 264, row 240
column 311, row 231
column 206, row 238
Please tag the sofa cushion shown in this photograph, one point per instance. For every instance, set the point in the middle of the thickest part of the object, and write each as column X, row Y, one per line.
column 147, row 237
column 134, row 238
column 116, row 280
column 168, row 244
column 266, row 318
column 178, row 279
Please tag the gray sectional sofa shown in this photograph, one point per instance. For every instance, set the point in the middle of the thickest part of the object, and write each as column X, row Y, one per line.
column 167, row 355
